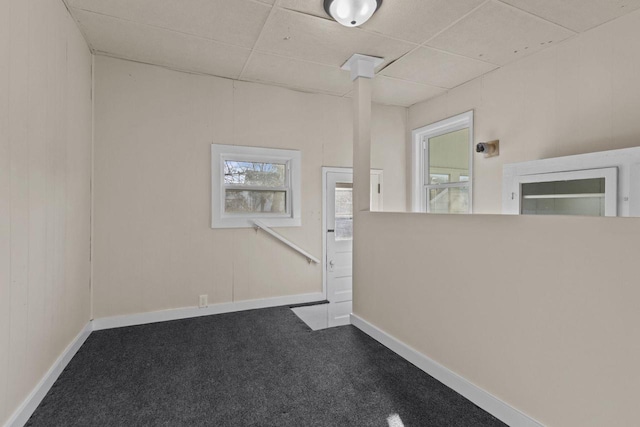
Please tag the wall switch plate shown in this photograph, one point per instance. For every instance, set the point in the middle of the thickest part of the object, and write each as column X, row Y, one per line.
column 203, row 301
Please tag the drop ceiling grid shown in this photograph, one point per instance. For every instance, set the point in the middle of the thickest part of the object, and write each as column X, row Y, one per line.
column 322, row 78
column 294, row 64
column 437, row 68
column 577, row 15
column 86, row 6
column 265, row 68
column 316, row 42
column 132, row 51
column 392, row 91
column 236, row 22
column 413, row 21
column 305, row 37
column 80, row 12
column 302, row 6
column 150, row 44
column 499, row 33
column 77, row 4
column 455, row 56
column 269, row 17
column 392, row 71
column 80, row 8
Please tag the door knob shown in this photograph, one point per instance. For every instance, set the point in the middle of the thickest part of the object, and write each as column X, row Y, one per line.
column 331, row 265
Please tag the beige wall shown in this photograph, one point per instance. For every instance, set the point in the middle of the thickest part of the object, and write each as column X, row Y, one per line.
column 577, row 97
column 542, row 312
column 153, row 245
column 45, row 172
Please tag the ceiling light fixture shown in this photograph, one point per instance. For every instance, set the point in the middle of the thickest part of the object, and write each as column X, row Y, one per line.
column 351, row 13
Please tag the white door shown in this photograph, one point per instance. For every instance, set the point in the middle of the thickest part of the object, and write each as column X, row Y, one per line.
column 339, row 240
column 339, row 235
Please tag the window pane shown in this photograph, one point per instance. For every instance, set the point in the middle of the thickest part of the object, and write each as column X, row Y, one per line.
column 575, row 197
column 344, row 211
column 575, row 186
column 591, row 206
column 254, row 174
column 449, row 157
column 252, row 201
column 453, row 200
column 439, row 178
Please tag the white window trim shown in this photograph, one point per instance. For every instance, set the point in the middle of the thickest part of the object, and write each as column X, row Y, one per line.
column 293, row 160
column 418, row 137
column 626, row 160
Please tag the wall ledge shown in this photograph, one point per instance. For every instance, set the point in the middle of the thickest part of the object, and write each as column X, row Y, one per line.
column 475, row 394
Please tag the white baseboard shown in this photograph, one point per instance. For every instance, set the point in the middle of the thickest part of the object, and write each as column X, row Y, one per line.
column 189, row 312
column 29, row 405
column 475, row 394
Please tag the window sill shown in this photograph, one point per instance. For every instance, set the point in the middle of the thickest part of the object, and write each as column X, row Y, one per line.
column 248, row 222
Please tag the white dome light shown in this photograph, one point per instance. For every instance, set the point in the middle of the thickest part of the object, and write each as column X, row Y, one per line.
column 351, row 13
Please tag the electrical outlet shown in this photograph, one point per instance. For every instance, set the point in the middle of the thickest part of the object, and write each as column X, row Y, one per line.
column 203, row 301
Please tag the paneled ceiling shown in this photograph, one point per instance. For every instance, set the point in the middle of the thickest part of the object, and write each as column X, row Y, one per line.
column 428, row 46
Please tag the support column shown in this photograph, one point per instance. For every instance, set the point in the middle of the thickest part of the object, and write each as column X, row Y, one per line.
column 361, row 144
column 362, row 71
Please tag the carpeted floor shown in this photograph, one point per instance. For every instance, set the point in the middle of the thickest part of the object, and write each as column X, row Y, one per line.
column 255, row 368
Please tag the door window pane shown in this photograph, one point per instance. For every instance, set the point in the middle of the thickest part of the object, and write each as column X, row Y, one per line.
column 255, row 174
column 449, row 157
column 252, row 201
column 439, row 178
column 344, row 211
column 452, row 200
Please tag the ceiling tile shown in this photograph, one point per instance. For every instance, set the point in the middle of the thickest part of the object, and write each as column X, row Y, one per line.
column 412, row 20
column 578, row 15
column 306, row 37
column 315, row 8
column 437, row 68
column 499, row 33
column 391, row 91
column 237, row 22
column 128, row 40
column 297, row 74
column 418, row 20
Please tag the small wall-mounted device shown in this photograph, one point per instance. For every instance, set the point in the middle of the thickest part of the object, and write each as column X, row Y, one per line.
column 489, row 149
column 203, row 303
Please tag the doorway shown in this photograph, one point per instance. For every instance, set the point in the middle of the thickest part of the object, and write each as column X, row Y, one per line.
column 338, row 237
column 337, row 260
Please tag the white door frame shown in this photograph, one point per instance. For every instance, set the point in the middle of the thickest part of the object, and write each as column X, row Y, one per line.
column 325, row 171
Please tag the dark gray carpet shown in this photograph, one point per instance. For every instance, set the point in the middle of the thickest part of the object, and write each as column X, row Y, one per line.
column 255, row 368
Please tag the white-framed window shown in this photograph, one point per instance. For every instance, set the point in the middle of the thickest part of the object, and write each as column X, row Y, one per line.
column 590, row 192
column 250, row 183
column 443, row 166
